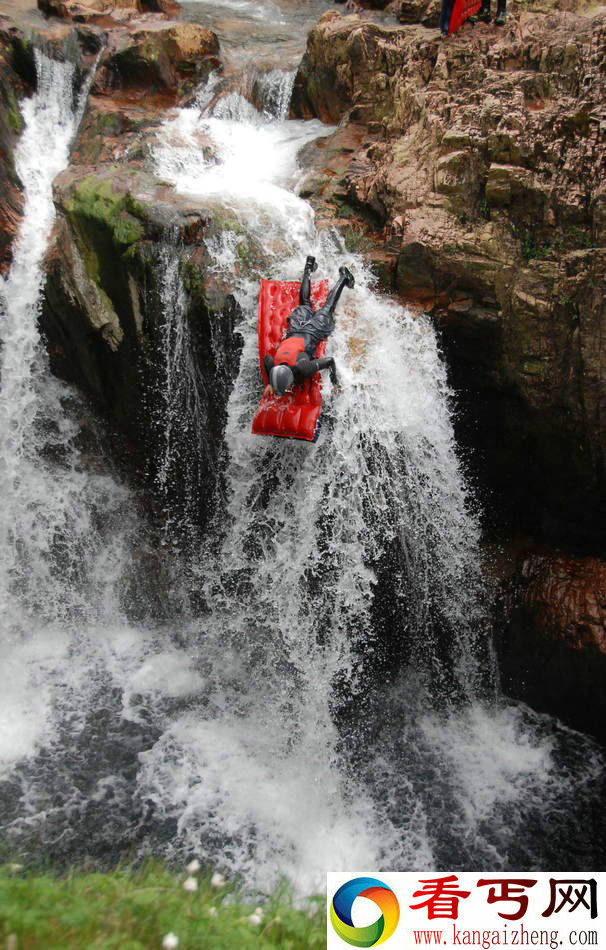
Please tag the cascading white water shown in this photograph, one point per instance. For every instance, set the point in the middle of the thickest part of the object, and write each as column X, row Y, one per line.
column 49, row 115
column 52, row 573
column 291, row 595
column 182, row 417
column 275, row 87
column 254, row 729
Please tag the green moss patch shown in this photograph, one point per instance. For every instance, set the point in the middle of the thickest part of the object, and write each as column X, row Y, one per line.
column 13, row 113
column 96, row 200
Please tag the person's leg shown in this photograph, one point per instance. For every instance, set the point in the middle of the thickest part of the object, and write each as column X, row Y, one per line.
column 484, row 12
column 305, row 291
column 345, row 280
column 445, row 15
column 501, row 13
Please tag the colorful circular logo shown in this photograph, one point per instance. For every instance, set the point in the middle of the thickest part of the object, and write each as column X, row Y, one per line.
column 381, row 895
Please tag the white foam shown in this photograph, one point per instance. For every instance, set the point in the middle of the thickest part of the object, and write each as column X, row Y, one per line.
column 28, row 666
column 255, row 160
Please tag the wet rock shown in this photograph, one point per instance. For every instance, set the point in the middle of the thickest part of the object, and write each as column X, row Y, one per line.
column 87, row 11
column 567, row 599
column 119, row 232
column 145, row 53
column 114, row 130
column 479, row 172
column 16, row 77
column 553, row 649
column 161, row 57
column 104, row 311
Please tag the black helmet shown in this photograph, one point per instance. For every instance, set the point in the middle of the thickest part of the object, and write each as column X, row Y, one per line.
column 281, row 379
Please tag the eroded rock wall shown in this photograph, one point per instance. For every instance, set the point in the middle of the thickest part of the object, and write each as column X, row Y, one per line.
column 471, row 173
column 476, row 171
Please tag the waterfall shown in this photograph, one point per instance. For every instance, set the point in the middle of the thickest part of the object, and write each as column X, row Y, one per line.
column 314, row 687
column 331, row 564
column 67, row 528
column 27, row 405
column 182, row 417
column 275, row 88
column 260, row 95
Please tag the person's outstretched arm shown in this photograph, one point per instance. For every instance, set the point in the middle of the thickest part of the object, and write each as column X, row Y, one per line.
column 308, row 368
column 268, row 363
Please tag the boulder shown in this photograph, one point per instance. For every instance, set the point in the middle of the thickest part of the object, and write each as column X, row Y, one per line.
column 159, row 57
column 105, row 312
column 91, row 11
column 84, row 11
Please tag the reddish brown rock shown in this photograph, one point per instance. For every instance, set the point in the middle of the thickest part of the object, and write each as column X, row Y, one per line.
column 85, row 11
column 155, row 56
column 567, row 599
column 553, row 644
column 145, row 53
column 94, row 11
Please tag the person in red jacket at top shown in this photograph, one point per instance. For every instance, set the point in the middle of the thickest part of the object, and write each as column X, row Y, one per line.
column 295, row 359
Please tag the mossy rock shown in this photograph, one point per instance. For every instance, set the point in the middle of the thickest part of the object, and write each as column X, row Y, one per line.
column 97, row 200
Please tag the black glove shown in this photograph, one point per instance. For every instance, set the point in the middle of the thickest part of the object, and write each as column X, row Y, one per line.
column 333, row 374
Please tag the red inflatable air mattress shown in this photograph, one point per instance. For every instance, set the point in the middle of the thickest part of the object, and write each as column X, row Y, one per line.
column 461, row 11
column 296, row 414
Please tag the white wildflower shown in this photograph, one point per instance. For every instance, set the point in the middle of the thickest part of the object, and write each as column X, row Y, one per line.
column 212, row 912
column 255, row 919
column 170, row 942
column 217, row 880
column 190, row 884
column 193, row 867
column 15, row 867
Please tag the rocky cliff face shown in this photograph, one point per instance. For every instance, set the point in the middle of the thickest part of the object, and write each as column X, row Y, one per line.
column 474, row 169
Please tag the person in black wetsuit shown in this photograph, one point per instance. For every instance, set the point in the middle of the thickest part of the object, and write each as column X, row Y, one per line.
column 445, row 16
column 484, row 13
column 295, row 359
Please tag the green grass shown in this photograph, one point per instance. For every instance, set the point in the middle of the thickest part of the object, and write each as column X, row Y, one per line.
column 135, row 910
column 356, row 240
column 533, row 251
column 572, row 238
